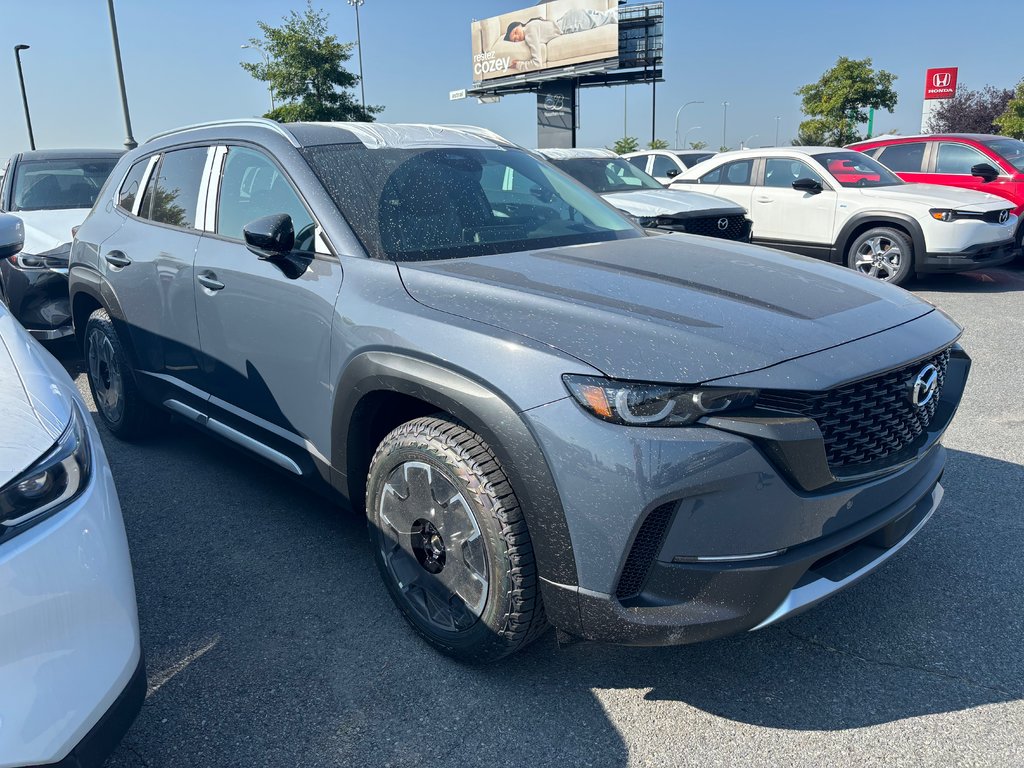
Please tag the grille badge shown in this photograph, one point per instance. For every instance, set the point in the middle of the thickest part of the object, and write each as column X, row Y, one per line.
column 1004, row 216
column 923, row 388
column 723, row 224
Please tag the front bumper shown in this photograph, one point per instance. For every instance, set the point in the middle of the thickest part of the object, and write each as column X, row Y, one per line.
column 39, row 299
column 978, row 256
column 70, row 656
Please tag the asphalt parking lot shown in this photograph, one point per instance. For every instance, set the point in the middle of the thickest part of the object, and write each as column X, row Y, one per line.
column 271, row 641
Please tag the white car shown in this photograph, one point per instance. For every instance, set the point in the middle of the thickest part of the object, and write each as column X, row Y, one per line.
column 845, row 207
column 72, row 677
column 642, row 197
column 666, row 164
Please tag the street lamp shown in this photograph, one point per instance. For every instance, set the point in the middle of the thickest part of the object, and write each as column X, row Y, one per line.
column 744, row 143
column 687, row 135
column 777, row 118
column 129, row 141
column 725, row 112
column 678, row 146
column 24, row 98
column 266, row 59
column 359, row 45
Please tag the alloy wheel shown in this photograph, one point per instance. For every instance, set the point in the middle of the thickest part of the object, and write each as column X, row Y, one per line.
column 878, row 257
column 105, row 376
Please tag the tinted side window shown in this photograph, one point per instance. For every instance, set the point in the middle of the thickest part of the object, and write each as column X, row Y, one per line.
column 662, row 165
column 640, row 161
column 172, row 194
column 903, row 158
column 737, row 172
column 252, row 187
column 712, row 177
column 782, row 172
column 958, row 158
column 130, row 185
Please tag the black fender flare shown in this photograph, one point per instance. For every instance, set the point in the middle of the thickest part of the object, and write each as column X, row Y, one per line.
column 483, row 411
column 879, row 218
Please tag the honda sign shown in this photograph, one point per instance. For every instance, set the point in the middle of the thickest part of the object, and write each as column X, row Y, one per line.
column 940, row 83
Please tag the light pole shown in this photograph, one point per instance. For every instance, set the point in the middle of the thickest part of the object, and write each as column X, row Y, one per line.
column 743, row 144
column 777, row 118
column 678, row 146
column 266, row 59
column 129, row 140
column 359, row 44
column 24, row 98
column 687, row 135
column 725, row 112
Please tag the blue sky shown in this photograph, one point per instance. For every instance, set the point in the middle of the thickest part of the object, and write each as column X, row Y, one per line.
column 181, row 61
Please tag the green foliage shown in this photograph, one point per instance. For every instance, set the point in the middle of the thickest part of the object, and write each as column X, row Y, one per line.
column 657, row 144
column 626, row 144
column 839, row 101
column 306, row 72
column 1011, row 122
column 698, row 145
column 724, row 148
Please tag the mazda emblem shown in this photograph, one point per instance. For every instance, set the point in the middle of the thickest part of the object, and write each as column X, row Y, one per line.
column 723, row 224
column 925, row 386
column 1004, row 216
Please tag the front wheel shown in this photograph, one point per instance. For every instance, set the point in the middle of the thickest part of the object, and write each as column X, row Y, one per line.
column 883, row 253
column 451, row 542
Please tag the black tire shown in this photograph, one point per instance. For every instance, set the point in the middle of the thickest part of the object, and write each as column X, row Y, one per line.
column 112, row 379
column 512, row 614
column 881, row 242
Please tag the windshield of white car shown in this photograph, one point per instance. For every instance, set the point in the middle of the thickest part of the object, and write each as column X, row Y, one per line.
column 49, row 185
column 603, row 174
column 855, row 169
column 445, row 203
column 1011, row 150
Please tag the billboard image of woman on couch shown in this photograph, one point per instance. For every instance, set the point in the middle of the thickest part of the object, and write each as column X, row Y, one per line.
column 537, row 32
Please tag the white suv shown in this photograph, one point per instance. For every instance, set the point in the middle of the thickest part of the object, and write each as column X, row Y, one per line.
column 845, row 207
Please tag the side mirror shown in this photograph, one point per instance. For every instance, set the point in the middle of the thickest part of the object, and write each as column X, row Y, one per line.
column 271, row 237
column 813, row 186
column 12, row 235
column 985, row 171
column 673, row 172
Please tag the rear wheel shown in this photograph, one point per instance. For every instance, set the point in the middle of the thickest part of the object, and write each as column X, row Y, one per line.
column 451, row 543
column 883, row 253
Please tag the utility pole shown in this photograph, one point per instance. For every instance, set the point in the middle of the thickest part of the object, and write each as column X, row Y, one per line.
column 678, row 111
column 24, row 97
column 777, row 118
column 359, row 44
column 725, row 112
column 129, row 141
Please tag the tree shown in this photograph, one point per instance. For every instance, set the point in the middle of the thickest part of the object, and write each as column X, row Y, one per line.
column 971, row 111
column 1011, row 122
column 305, row 70
column 626, row 144
column 839, row 101
column 698, row 145
column 657, row 144
column 724, row 148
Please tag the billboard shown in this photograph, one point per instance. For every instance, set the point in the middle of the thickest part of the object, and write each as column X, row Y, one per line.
column 545, row 37
column 940, row 83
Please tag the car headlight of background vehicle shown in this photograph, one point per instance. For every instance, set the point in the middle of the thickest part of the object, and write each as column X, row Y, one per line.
column 50, row 484
column 53, row 259
column 654, row 405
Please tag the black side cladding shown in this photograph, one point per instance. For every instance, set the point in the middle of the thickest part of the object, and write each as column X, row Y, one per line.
column 648, row 542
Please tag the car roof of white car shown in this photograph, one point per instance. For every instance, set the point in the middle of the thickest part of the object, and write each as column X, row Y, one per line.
column 577, row 153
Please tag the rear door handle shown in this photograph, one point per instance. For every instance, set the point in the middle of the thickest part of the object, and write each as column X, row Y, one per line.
column 117, row 259
column 210, row 281
column 765, row 199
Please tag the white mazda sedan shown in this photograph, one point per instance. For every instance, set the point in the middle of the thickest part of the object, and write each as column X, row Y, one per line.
column 72, row 677
column 847, row 208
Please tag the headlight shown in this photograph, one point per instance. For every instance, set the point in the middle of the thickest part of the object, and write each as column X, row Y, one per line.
column 648, row 222
column 942, row 214
column 50, row 484
column 654, row 405
column 53, row 259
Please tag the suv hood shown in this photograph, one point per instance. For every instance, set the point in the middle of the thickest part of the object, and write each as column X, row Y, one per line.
column 670, row 202
column 671, row 308
column 33, row 412
column 934, row 196
column 47, row 230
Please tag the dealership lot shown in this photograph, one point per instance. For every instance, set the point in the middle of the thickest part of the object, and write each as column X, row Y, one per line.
column 270, row 639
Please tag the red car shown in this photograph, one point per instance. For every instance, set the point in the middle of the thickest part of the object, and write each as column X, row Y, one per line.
column 977, row 161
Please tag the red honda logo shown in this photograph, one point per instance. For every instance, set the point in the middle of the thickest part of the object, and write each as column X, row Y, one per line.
column 940, row 83
column 941, row 79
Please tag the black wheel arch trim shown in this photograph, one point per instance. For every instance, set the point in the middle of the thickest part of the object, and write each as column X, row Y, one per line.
column 881, row 219
column 484, row 412
column 85, row 281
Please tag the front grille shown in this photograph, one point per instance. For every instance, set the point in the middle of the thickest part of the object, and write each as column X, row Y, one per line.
column 646, row 546
column 736, row 227
column 992, row 217
column 869, row 420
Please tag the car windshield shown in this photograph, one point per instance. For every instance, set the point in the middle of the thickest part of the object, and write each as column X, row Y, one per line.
column 691, row 159
column 1011, row 150
column 432, row 204
column 47, row 185
column 855, row 169
column 607, row 174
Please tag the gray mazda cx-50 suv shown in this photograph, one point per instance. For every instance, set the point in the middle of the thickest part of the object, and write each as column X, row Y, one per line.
column 549, row 416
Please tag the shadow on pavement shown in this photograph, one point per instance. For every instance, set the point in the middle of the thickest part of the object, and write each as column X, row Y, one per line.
column 997, row 280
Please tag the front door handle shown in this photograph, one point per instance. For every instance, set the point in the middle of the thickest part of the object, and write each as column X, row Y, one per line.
column 210, row 281
column 764, row 199
column 117, row 259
